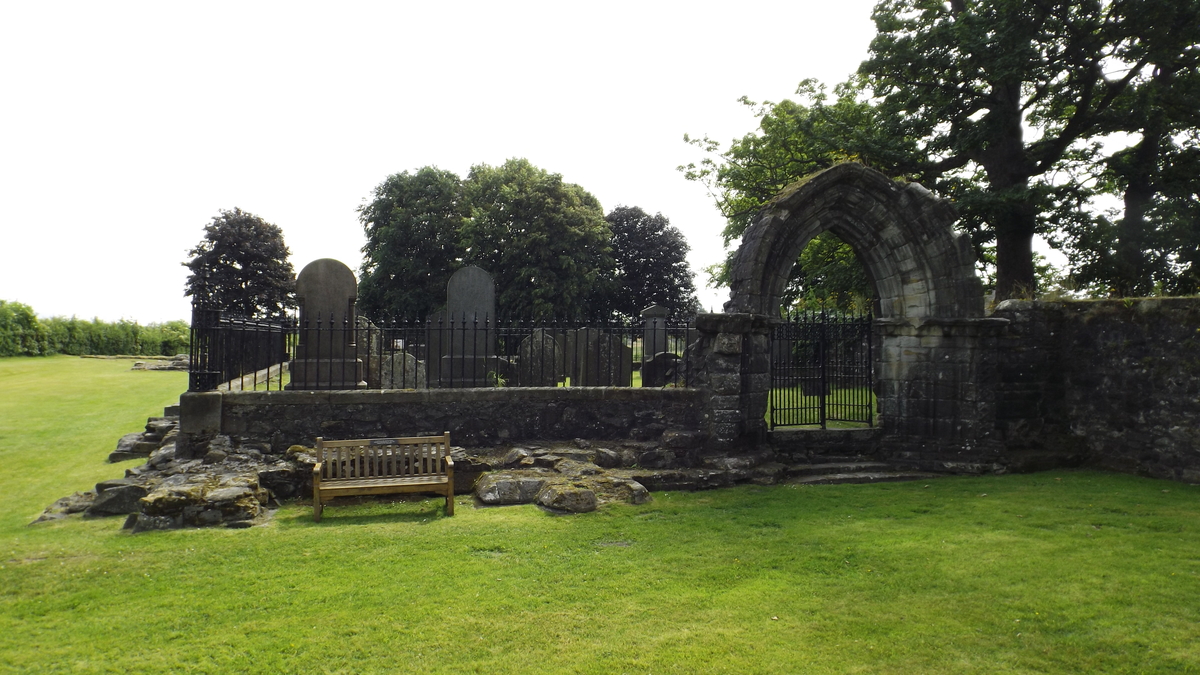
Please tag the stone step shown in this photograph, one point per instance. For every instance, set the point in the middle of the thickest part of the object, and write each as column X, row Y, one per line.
column 839, row 459
column 861, row 477
column 837, row 467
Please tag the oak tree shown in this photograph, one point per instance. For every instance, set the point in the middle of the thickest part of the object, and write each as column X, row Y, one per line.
column 242, row 266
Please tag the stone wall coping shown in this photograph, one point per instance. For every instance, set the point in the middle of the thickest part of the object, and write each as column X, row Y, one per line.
column 1089, row 304
column 420, row 396
column 734, row 322
column 934, row 324
column 786, row 435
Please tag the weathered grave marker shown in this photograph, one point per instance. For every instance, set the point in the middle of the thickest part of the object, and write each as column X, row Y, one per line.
column 600, row 359
column 654, row 342
column 654, row 331
column 540, row 360
column 471, row 321
column 326, row 354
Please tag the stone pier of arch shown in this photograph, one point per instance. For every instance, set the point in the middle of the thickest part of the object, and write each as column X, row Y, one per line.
column 936, row 362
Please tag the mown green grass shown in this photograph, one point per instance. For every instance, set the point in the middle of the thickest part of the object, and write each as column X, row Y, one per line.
column 1063, row 572
column 791, row 407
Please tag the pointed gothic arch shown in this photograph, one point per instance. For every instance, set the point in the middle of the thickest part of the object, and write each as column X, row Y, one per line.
column 933, row 335
column 919, row 266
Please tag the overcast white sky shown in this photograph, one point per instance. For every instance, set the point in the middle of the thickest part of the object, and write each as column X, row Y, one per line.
column 125, row 127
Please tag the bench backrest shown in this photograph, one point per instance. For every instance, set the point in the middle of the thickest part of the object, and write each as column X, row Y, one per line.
column 383, row 457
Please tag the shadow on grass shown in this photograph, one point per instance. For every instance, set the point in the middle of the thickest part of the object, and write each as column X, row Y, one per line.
column 368, row 511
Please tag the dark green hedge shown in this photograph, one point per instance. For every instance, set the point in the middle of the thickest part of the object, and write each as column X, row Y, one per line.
column 23, row 334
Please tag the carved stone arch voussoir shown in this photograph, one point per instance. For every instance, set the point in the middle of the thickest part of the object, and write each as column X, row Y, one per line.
column 920, row 267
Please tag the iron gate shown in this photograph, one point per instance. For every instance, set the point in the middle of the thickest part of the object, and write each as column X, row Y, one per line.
column 821, row 370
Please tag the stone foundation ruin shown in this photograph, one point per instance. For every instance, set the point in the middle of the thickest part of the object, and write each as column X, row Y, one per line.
column 1034, row 385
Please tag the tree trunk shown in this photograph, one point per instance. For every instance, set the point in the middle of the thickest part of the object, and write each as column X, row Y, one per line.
column 1014, row 253
column 1014, row 218
column 1132, row 273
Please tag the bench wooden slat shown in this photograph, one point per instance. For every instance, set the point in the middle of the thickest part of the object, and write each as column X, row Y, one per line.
column 381, row 466
column 356, row 483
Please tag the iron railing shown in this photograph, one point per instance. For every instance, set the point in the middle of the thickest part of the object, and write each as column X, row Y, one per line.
column 448, row 352
column 226, row 349
column 821, row 370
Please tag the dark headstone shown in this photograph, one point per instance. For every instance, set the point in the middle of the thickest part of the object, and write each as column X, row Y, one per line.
column 327, row 355
column 539, row 360
column 470, row 359
column 661, row 370
column 600, row 359
column 654, row 331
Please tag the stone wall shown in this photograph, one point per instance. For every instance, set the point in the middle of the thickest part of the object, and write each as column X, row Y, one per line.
column 1113, row 384
column 731, row 366
column 474, row 417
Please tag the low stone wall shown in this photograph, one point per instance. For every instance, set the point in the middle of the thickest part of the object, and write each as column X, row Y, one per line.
column 474, row 417
column 798, row 445
column 1113, row 384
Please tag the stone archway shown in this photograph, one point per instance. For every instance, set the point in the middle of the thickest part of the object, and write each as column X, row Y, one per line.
column 933, row 337
column 919, row 265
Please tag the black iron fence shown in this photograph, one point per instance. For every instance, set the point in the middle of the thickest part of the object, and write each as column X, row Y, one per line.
column 821, row 370
column 332, row 353
column 232, row 352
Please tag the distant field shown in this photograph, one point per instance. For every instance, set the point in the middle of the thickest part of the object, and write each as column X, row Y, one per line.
column 1062, row 572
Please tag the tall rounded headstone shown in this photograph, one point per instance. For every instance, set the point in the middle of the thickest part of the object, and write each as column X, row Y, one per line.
column 327, row 354
column 471, row 320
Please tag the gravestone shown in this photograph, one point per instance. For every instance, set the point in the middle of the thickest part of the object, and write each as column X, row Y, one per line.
column 326, row 353
column 435, row 331
column 401, row 370
column 654, row 331
column 540, row 360
column 471, row 358
column 661, row 370
column 654, row 343
column 599, row 359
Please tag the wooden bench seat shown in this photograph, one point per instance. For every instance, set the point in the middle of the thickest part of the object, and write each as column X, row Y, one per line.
column 376, row 466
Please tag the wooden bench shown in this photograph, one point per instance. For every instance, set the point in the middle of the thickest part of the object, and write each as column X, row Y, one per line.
column 376, row 466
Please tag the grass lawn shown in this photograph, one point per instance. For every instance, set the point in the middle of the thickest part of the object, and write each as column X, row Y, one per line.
column 793, row 408
column 1063, row 572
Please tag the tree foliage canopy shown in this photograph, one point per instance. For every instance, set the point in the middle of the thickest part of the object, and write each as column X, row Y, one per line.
column 795, row 139
column 412, row 225
column 242, row 266
column 1000, row 106
column 545, row 242
column 650, row 265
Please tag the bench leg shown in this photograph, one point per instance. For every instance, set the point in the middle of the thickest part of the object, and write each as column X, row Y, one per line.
column 450, row 501
column 318, row 507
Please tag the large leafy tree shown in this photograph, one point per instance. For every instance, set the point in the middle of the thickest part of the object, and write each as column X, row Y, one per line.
column 412, row 225
column 999, row 105
column 544, row 241
column 242, row 266
column 794, row 139
column 1151, row 245
column 1004, row 90
column 650, row 265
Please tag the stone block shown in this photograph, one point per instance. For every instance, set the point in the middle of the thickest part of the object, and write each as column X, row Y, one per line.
column 569, row 498
column 200, row 412
column 728, row 344
column 500, row 489
column 117, row 500
column 726, row 384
